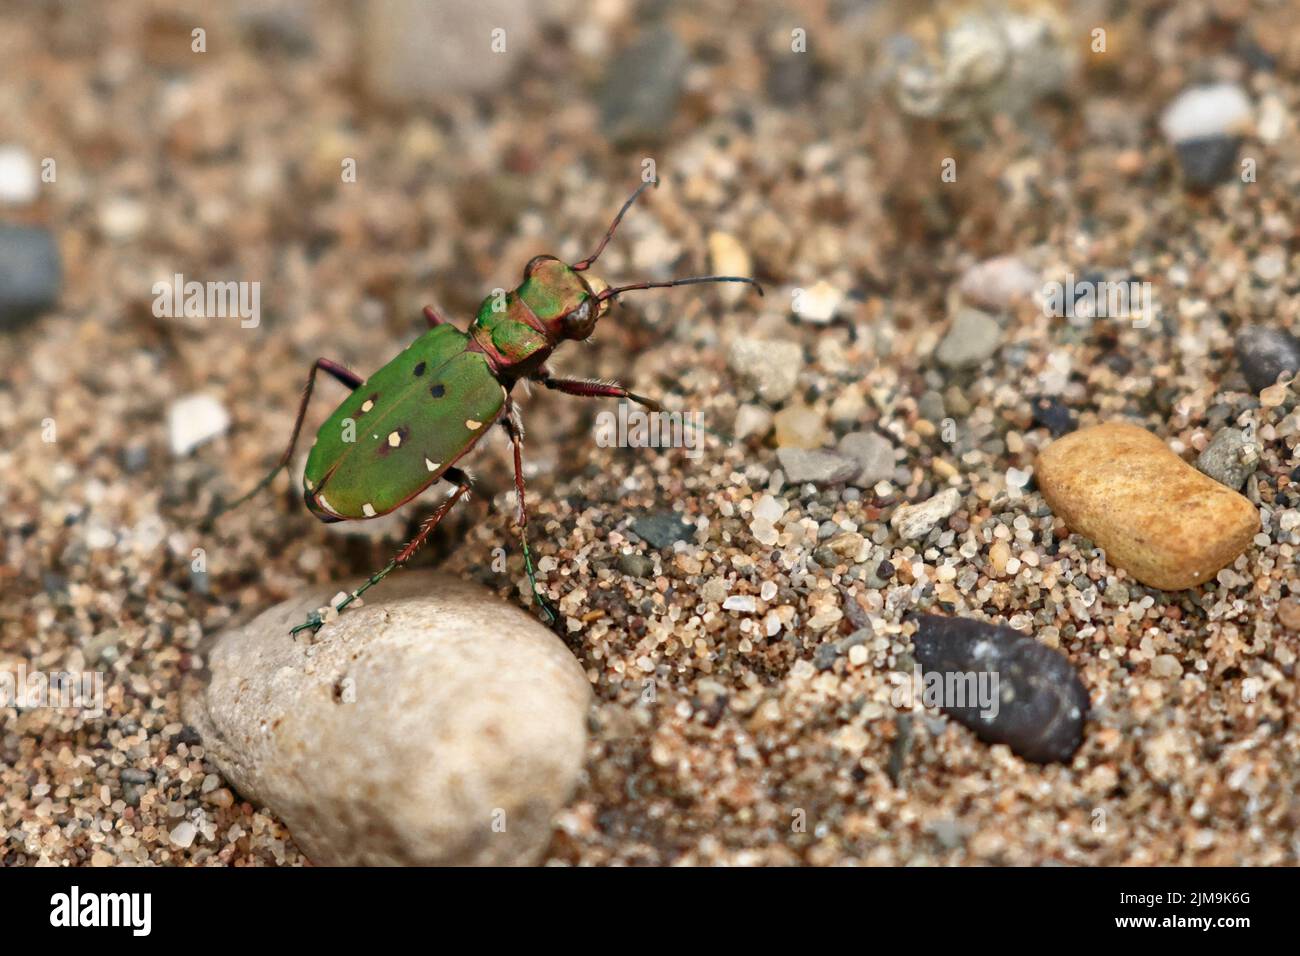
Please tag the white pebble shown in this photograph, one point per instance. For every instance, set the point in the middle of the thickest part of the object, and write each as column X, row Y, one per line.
column 19, row 182
column 740, row 602
column 183, row 835
column 193, row 420
column 1216, row 109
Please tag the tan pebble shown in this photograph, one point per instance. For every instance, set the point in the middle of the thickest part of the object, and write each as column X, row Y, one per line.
column 998, row 557
column 1155, row 516
column 1288, row 613
column 1166, row 665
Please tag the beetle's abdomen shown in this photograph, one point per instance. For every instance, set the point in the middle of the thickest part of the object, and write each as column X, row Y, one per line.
column 402, row 428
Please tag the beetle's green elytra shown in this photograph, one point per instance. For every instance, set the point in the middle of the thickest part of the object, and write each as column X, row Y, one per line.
column 407, row 425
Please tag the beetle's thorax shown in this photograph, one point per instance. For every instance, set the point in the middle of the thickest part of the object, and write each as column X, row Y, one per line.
column 518, row 330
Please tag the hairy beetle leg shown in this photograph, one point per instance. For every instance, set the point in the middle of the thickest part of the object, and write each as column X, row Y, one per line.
column 462, row 488
column 341, row 373
column 515, row 430
column 585, row 389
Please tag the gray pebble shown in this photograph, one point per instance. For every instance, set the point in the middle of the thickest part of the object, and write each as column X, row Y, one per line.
column 1265, row 353
column 636, row 565
column 873, row 453
column 818, row 466
column 30, row 273
column 642, row 88
column 662, row 529
column 973, row 337
column 1229, row 458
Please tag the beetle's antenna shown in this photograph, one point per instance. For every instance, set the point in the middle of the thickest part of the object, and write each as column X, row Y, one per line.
column 609, row 234
column 692, row 280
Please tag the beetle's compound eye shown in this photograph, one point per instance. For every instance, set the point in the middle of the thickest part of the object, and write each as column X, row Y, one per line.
column 534, row 262
column 580, row 323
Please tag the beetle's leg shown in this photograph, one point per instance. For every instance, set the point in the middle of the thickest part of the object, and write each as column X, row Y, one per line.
column 461, row 479
column 516, row 431
column 433, row 318
column 343, row 374
column 588, row 389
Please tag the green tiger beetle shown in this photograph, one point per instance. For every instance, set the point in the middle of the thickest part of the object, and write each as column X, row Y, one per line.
column 406, row 426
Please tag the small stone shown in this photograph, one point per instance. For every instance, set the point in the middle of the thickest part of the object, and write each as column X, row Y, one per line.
column 769, row 508
column 19, row 181
column 1166, row 666
column 662, row 529
column 914, row 522
column 998, row 284
column 1117, row 594
column 1156, row 516
column 1229, row 458
column 800, row 426
column 874, row 455
column 417, row 52
column 1205, row 125
column 770, row 367
column 930, row 405
column 752, row 420
column 122, row 218
column 729, row 258
column 973, row 337
column 636, row 565
column 743, row 603
column 1288, row 613
column 1208, row 161
column 824, row 656
column 101, row 858
column 818, row 303
column 30, row 273
column 435, row 726
column 1265, row 354
column 183, row 834
column 193, row 420
column 999, row 555
column 1053, row 416
column 642, row 88
column 1216, row 109
column 1040, row 705
column 818, row 466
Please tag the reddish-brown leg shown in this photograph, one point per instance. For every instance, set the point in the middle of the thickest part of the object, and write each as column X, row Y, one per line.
column 433, row 318
column 586, row 389
column 341, row 373
column 515, row 430
column 314, row 621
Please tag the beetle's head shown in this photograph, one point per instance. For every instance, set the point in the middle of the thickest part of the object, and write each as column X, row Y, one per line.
column 570, row 302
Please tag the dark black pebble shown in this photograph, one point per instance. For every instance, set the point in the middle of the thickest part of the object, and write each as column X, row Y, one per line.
column 1053, row 416
column 1265, row 353
column 662, row 529
column 1042, row 703
column 30, row 273
column 1207, row 161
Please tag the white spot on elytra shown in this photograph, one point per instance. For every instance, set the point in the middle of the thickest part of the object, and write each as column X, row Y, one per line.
column 307, row 483
column 368, row 510
column 325, row 505
column 394, row 439
column 432, row 465
column 367, row 405
column 473, row 425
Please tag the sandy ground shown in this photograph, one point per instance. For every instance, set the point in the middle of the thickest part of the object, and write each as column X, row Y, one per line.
column 752, row 748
